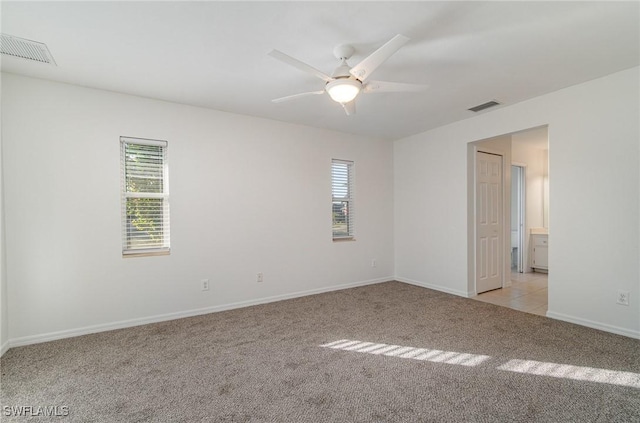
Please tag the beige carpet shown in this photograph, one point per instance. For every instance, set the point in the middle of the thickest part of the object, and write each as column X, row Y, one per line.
column 389, row 352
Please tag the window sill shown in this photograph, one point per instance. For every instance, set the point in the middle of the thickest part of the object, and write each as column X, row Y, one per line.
column 349, row 238
column 131, row 254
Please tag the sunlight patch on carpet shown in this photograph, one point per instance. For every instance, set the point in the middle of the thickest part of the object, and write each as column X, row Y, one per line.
column 422, row 354
column 567, row 371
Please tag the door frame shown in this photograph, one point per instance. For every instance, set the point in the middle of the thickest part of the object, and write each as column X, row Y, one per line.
column 522, row 217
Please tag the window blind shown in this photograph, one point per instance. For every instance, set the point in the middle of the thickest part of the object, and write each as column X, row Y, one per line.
column 145, row 196
column 342, row 210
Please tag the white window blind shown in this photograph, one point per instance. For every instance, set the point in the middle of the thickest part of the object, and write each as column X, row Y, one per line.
column 145, row 196
column 342, row 209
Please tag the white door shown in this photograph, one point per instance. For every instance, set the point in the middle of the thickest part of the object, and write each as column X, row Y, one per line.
column 489, row 229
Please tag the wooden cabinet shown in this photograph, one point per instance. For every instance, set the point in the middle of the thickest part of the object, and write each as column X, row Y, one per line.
column 540, row 252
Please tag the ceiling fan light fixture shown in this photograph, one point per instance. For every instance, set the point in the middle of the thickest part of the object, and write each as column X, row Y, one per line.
column 343, row 90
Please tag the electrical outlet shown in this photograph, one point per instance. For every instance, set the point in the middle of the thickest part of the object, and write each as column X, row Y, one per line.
column 374, row 263
column 623, row 297
column 259, row 277
column 204, row 283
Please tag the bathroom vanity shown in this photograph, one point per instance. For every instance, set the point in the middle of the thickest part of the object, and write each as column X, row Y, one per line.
column 540, row 249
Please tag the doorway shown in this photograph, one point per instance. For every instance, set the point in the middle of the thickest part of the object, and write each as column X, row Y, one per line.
column 525, row 202
column 518, row 181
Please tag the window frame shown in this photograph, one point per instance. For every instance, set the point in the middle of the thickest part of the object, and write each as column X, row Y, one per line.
column 163, row 248
column 349, row 199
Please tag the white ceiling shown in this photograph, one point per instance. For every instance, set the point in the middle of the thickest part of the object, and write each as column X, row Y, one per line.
column 214, row 54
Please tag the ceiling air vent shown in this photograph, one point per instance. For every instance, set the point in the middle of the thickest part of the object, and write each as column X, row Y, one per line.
column 26, row 49
column 483, row 106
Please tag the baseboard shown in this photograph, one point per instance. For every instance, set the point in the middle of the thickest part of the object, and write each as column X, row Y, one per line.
column 435, row 287
column 594, row 325
column 558, row 316
column 52, row 336
column 4, row 348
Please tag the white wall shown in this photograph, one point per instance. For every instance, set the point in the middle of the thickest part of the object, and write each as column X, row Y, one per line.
column 525, row 149
column 594, row 199
column 248, row 195
column 65, row 274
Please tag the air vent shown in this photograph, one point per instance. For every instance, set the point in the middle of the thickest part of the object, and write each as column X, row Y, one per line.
column 486, row 105
column 26, row 49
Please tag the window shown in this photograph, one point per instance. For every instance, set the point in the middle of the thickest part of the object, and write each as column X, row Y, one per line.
column 145, row 197
column 342, row 199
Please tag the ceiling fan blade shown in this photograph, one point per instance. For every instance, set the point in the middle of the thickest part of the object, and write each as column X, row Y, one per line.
column 369, row 64
column 391, row 87
column 276, row 54
column 349, row 108
column 294, row 96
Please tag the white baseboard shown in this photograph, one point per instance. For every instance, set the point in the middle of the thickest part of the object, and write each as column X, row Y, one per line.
column 4, row 348
column 435, row 287
column 52, row 336
column 558, row 316
column 70, row 333
column 594, row 325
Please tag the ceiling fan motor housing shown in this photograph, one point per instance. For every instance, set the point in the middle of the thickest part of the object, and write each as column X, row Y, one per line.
column 342, row 71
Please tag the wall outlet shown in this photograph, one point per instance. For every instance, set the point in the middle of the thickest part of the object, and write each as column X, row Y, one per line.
column 623, row 297
column 374, row 263
column 259, row 277
column 204, row 284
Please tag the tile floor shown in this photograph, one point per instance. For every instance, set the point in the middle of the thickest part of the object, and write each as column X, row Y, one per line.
column 528, row 293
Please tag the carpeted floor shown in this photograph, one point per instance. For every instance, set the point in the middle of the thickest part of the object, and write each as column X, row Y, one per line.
column 389, row 352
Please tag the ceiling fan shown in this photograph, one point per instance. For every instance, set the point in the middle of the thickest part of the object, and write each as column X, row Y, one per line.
column 345, row 83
